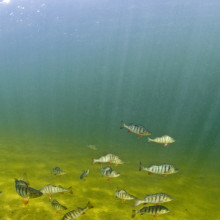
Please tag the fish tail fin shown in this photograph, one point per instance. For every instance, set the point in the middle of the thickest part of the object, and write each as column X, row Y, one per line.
column 141, row 166
column 134, row 212
column 93, row 161
column 89, row 205
column 149, row 140
column 122, row 125
column 70, row 190
column 136, row 202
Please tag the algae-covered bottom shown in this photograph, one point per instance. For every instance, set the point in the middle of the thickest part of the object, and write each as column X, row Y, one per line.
column 195, row 191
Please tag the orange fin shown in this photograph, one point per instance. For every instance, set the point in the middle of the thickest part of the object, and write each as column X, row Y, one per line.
column 123, row 200
column 157, row 203
column 139, row 136
column 109, row 179
column 57, row 211
column 164, row 175
column 165, row 145
column 83, row 213
column 155, row 215
column 26, row 201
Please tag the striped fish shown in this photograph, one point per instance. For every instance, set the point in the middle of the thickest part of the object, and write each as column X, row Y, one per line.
column 164, row 169
column 50, row 189
column 108, row 172
column 108, row 158
column 57, row 171
column 25, row 191
column 157, row 198
column 76, row 213
column 56, row 205
column 136, row 129
column 162, row 140
column 122, row 194
column 152, row 210
column 84, row 174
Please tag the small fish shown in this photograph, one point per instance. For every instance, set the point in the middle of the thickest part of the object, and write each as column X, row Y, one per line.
column 122, row 194
column 162, row 140
column 108, row 158
column 152, row 210
column 108, row 172
column 58, row 171
column 56, row 205
column 25, row 191
column 164, row 169
column 84, row 174
column 50, row 189
column 136, row 129
column 76, row 213
column 154, row 198
column 92, row 147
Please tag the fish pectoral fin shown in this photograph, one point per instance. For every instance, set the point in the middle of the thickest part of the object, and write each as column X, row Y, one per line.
column 123, row 200
column 155, row 215
column 129, row 131
column 149, row 173
column 57, row 211
column 165, row 145
column 157, row 203
column 109, row 179
column 25, row 201
column 164, row 175
column 139, row 136
column 61, row 192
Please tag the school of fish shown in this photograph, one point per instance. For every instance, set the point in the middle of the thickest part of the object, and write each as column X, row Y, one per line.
column 26, row 192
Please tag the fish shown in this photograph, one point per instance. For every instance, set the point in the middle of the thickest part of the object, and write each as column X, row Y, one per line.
column 25, row 191
column 84, row 174
column 51, row 189
column 164, row 169
column 108, row 172
column 152, row 210
column 92, row 147
column 56, row 205
column 76, row 213
column 162, row 140
column 108, row 158
column 122, row 194
column 136, row 129
column 58, row 171
column 157, row 198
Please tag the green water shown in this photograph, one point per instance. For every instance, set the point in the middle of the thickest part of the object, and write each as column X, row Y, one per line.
column 71, row 71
